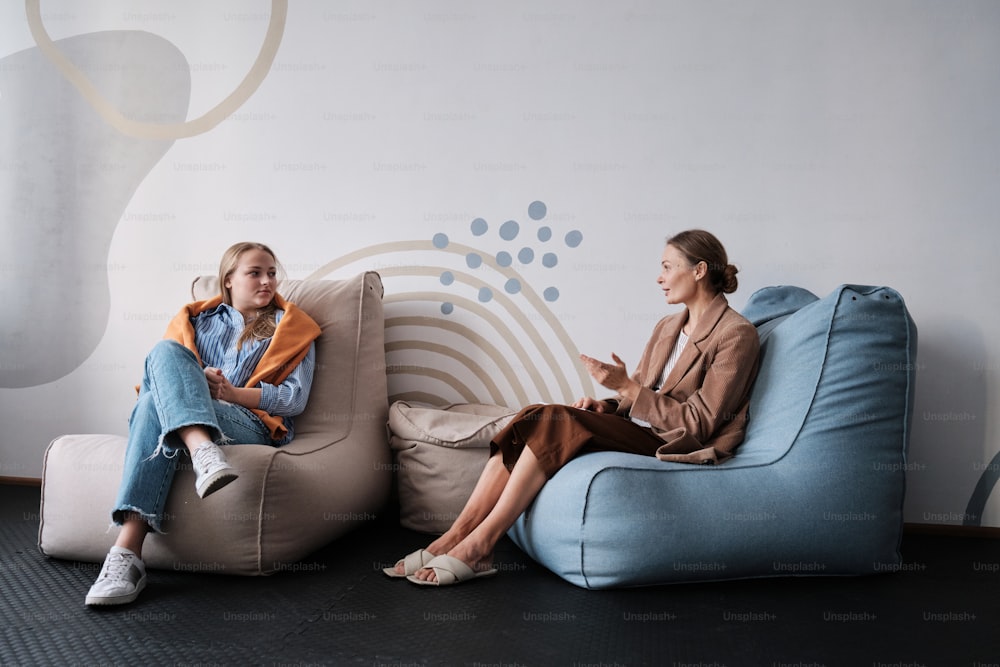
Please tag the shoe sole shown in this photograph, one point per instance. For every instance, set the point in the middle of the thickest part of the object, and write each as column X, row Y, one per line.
column 100, row 601
column 216, row 482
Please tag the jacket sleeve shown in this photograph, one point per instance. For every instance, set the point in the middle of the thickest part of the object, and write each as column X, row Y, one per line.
column 289, row 398
column 711, row 392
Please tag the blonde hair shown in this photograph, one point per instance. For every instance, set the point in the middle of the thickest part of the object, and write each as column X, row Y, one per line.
column 263, row 326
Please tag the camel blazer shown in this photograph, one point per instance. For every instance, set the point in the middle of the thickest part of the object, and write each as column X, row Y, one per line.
column 700, row 412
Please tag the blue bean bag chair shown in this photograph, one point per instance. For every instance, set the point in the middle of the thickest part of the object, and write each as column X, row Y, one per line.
column 816, row 488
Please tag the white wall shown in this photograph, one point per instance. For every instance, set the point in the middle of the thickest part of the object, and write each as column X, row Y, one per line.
column 823, row 142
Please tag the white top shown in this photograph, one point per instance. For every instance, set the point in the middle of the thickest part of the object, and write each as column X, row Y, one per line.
column 682, row 340
column 675, row 354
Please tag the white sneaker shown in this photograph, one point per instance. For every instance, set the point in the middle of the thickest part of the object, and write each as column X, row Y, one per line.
column 211, row 469
column 121, row 579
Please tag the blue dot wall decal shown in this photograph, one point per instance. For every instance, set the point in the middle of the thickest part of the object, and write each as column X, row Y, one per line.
column 509, row 230
column 527, row 251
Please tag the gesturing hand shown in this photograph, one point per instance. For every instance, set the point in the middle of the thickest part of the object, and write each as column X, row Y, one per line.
column 613, row 376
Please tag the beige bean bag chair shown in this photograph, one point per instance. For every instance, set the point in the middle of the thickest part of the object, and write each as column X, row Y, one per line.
column 288, row 501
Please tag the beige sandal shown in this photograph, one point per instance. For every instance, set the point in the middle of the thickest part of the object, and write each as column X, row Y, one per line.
column 411, row 563
column 450, row 571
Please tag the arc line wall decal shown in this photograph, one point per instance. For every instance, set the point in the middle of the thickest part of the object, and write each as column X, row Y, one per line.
column 502, row 329
column 468, row 396
column 475, row 338
column 506, row 302
column 526, row 291
column 405, row 345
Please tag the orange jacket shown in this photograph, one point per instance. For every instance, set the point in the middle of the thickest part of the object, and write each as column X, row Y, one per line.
column 289, row 346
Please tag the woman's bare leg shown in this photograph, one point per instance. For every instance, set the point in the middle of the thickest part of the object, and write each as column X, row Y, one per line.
column 484, row 497
column 476, row 548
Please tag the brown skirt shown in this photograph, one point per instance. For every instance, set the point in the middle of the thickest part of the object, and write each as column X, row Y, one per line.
column 557, row 433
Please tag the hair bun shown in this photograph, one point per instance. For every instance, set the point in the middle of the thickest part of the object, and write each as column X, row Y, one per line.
column 729, row 281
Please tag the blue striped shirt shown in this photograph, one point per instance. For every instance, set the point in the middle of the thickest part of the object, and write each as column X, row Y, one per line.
column 216, row 333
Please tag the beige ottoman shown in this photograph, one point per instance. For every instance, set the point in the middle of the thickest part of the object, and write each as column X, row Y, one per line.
column 440, row 452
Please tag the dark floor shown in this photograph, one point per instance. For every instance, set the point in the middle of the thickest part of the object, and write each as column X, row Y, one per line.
column 943, row 608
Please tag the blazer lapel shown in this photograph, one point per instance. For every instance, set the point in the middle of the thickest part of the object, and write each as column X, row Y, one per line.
column 692, row 350
column 661, row 352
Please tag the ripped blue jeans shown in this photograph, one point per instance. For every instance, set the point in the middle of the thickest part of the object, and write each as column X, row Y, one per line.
column 174, row 393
